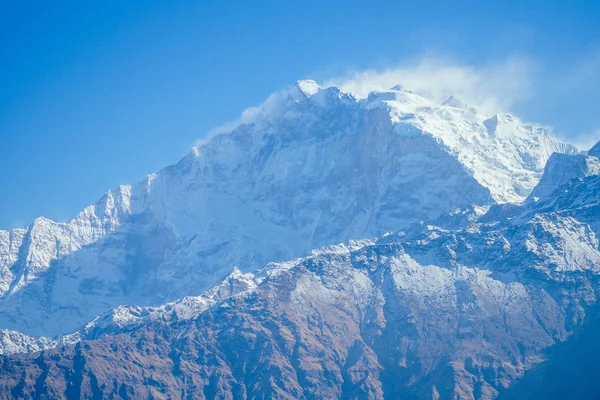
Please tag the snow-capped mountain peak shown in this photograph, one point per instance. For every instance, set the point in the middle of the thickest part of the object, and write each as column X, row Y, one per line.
column 306, row 87
column 310, row 167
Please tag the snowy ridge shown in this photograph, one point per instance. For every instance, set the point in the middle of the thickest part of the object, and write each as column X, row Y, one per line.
column 502, row 153
column 31, row 246
column 124, row 318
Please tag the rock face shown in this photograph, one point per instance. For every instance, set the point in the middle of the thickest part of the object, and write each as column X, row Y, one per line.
column 309, row 168
column 561, row 168
column 423, row 313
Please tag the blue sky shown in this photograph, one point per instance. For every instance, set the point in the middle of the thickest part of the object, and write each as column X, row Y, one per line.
column 96, row 94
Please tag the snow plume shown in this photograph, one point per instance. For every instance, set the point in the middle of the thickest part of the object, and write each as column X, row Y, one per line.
column 249, row 115
column 490, row 88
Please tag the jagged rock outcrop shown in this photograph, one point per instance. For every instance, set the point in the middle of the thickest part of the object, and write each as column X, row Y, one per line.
column 561, row 168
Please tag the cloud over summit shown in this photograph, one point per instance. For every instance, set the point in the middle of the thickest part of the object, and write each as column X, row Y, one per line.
column 491, row 88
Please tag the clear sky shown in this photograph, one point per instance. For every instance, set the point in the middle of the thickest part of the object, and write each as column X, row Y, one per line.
column 96, row 94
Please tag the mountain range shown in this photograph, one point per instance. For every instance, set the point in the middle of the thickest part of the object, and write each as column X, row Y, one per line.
column 324, row 246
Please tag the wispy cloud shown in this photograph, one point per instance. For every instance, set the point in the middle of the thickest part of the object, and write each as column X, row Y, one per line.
column 490, row 88
column 250, row 114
